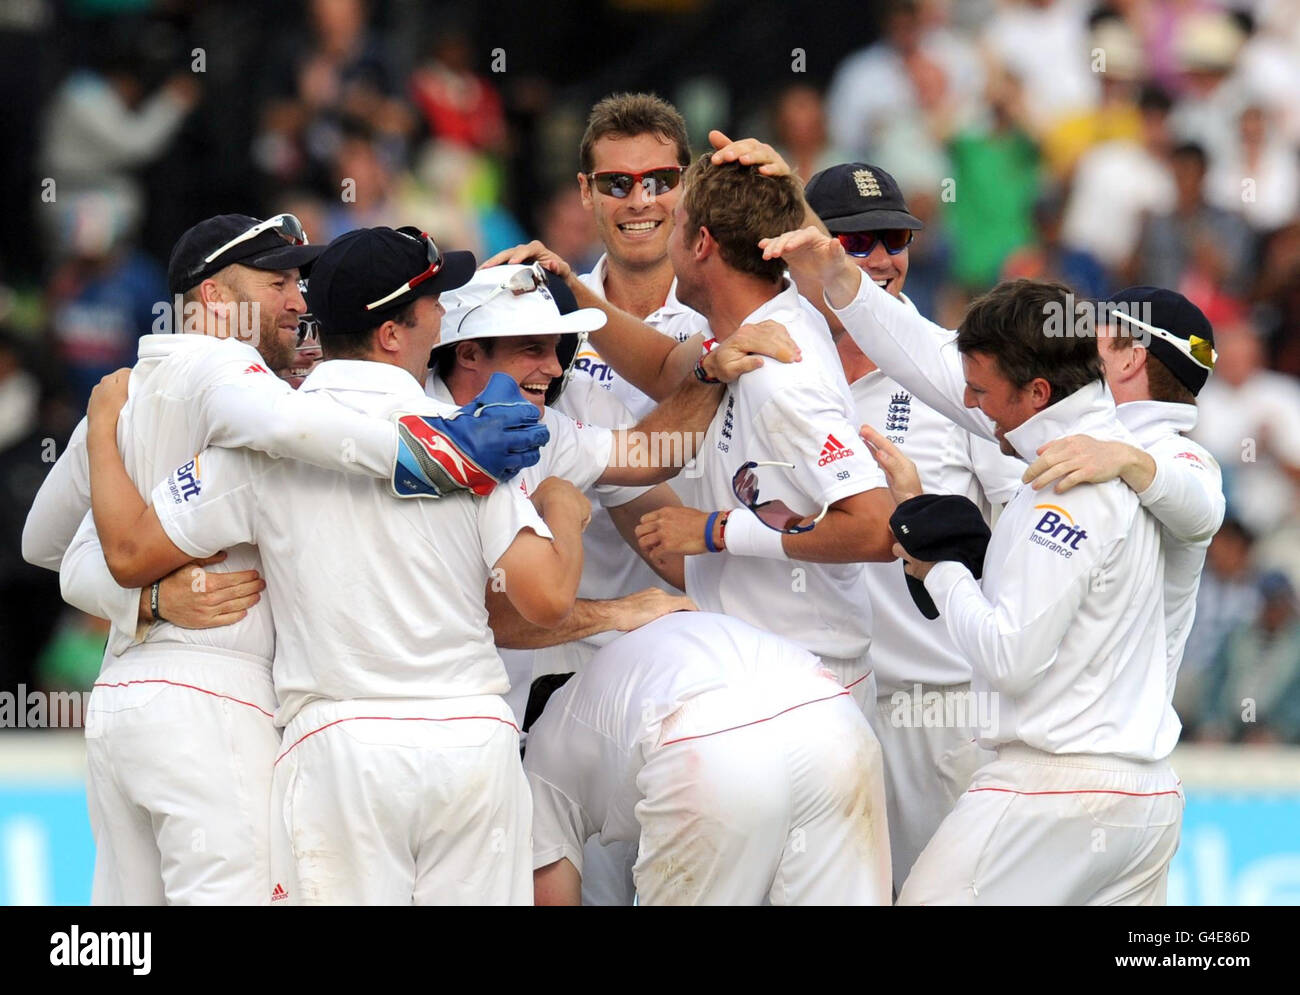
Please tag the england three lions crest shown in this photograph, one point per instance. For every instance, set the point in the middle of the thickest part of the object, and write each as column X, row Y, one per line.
column 900, row 412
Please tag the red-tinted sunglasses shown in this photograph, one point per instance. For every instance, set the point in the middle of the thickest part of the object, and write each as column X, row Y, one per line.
column 614, row 183
column 861, row 243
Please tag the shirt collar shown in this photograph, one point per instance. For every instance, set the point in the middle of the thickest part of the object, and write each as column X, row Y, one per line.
column 1148, row 420
column 787, row 298
column 1088, row 411
column 364, row 375
column 595, row 282
column 435, row 387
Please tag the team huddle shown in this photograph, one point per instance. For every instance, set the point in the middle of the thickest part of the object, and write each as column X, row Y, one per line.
column 642, row 526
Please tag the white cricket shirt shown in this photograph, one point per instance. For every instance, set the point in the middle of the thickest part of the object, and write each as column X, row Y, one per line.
column 1067, row 625
column 374, row 597
column 800, row 413
column 585, row 751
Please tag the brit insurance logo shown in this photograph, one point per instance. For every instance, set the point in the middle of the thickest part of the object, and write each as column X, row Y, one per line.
column 1057, row 530
column 184, row 483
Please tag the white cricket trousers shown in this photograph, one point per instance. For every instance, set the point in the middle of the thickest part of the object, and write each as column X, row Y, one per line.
column 402, row 801
column 789, row 809
column 927, row 767
column 1037, row 828
column 179, row 747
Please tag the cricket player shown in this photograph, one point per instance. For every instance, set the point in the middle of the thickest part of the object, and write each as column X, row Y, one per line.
column 398, row 779
column 188, row 825
column 1067, row 627
column 740, row 767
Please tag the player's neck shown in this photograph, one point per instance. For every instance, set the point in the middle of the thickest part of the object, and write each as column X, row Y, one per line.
column 639, row 292
column 734, row 298
column 855, row 362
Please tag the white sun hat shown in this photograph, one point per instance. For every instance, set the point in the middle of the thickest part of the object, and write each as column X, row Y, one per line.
column 510, row 300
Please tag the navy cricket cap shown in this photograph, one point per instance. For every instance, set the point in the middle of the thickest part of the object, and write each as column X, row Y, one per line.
column 1170, row 312
column 934, row 527
column 367, row 265
column 857, row 197
column 266, row 250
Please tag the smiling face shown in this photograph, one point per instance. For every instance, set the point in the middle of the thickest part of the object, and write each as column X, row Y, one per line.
column 635, row 228
column 1007, row 405
column 279, row 305
column 889, row 272
column 529, row 360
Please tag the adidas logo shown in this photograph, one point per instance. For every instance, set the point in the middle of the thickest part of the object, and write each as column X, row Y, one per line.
column 279, row 895
column 833, row 450
column 256, row 368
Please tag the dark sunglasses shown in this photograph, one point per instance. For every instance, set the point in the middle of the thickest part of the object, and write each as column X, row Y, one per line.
column 431, row 254
column 619, row 185
column 774, row 514
column 861, row 243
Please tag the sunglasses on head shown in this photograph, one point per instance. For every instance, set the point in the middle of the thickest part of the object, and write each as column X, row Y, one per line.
column 774, row 514
column 524, row 281
column 433, row 256
column 614, row 183
column 1199, row 350
column 285, row 225
column 862, row 243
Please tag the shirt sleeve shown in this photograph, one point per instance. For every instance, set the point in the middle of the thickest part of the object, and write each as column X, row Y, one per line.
column 502, row 515
column 239, row 404
column 1014, row 640
column 87, row 584
column 60, row 505
column 1186, row 495
column 919, row 354
column 210, row 503
column 580, row 451
column 559, row 828
column 810, row 430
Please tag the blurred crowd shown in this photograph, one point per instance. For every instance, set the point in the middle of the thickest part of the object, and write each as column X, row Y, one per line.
column 1103, row 144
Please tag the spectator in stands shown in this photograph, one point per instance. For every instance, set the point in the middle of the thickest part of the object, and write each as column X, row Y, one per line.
column 1278, row 294
column 1202, row 251
column 1044, row 44
column 1250, row 422
column 1046, row 258
column 458, row 104
column 996, row 180
column 340, row 70
column 1228, row 594
column 1213, row 97
column 1117, row 183
column 1253, row 692
column 1259, row 175
column 799, row 131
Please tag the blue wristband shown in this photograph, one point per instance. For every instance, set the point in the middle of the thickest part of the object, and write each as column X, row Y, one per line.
column 708, row 532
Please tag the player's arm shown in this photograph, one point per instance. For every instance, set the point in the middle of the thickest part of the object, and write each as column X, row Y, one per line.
column 541, row 575
column 649, row 360
column 1181, row 487
column 191, row 596
column 671, row 567
column 512, row 631
column 558, row 883
column 60, row 505
column 241, row 406
column 752, row 152
column 919, row 354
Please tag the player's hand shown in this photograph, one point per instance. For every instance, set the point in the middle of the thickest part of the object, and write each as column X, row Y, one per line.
column 748, row 152
column 742, row 351
column 558, row 501
column 475, row 448
column 195, row 598
column 635, row 610
column 672, row 530
column 810, row 254
column 532, row 252
column 1076, row 459
column 900, row 472
column 913, row 567
column 108, row 397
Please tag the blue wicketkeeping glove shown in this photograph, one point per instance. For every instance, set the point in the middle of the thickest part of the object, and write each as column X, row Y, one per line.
column 475, row 448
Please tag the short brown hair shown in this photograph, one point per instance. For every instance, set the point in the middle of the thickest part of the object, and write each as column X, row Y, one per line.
column 739, row 206
column 1011, row 324
column 356, row 345
column 628, row 115
column 1162, row 385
